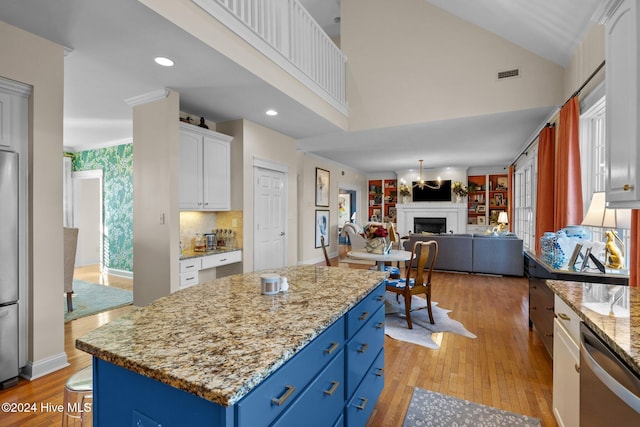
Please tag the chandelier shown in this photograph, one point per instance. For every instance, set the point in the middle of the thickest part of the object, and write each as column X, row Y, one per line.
column 421, row 184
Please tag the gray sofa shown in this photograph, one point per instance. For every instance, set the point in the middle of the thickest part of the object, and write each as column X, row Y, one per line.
column 477, row 253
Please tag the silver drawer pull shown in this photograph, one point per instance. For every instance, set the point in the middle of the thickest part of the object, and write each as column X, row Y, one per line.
column 285, row 396
column 363, row 404
column 191, row 278
column 334, row 346
column 333, row 388
column 380, row 298
column 363, row 348
column 379, row 372
column 223, row 260
column 564, row 316
column 364, row 315
column 380, row 325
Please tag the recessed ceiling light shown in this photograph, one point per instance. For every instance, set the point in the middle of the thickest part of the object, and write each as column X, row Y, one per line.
column 165, row 62
column 271, row 113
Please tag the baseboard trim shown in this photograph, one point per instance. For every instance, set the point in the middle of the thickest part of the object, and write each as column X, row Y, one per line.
column 40, row 368
column 120, row 273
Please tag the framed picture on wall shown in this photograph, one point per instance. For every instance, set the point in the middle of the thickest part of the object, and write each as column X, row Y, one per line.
column 322, row 227
column 322, row 187
column 482, row 220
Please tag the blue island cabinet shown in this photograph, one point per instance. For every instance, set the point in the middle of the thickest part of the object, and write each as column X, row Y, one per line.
column 335, row 380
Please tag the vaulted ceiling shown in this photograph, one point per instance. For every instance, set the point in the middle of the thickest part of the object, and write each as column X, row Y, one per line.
column 113, row 43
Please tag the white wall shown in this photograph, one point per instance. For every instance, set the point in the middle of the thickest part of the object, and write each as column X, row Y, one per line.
column 252, row 141
column 585, row 60
column 339, row 176
column 38, row 62
column 156, row 243
column 411, row 62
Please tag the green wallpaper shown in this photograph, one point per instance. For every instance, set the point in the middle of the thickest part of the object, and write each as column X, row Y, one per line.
column 117, row 166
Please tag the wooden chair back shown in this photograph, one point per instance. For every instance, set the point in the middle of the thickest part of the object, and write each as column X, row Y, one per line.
column 426, row 253
column 324, row 251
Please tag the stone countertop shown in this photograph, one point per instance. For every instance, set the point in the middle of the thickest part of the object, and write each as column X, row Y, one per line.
column 220, row 339
column 190, row 253
column 620, row 331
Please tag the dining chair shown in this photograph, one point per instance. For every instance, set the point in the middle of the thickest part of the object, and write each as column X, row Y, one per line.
column 70, row 236
column 324, row 250
column 415, row 281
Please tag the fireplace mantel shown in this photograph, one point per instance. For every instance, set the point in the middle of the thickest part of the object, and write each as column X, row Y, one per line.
column 455, row 213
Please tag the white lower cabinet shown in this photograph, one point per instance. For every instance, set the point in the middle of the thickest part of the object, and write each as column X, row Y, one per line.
column 190, row 268
column 566, row 366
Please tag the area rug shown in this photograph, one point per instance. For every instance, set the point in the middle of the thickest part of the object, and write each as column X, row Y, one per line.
column 90, row 298
column 396, row 322
column 428, row 408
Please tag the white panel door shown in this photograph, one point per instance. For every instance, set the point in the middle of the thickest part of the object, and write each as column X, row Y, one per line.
column 87, row 207
column 269, row 219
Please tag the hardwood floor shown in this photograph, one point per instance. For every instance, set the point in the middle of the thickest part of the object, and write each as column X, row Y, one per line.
column 506, row 367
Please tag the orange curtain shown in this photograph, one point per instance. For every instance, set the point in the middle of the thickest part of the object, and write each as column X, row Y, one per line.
column 545, row 183
column 510, row 198
column 568, row 192
column 634, row 253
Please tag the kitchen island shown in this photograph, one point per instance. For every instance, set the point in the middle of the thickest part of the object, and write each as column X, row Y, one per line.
column 222, row 354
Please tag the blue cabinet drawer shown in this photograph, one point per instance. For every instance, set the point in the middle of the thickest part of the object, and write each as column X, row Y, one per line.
column 281, row 388
column 359, row 408
column 363, row 348
column 360, row 314
column 322, row 402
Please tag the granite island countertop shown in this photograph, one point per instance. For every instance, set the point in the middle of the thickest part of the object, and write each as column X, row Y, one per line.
column 220, row 339
column 620, row 331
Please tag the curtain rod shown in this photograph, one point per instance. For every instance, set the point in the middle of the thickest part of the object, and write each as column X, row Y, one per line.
column 576, row 93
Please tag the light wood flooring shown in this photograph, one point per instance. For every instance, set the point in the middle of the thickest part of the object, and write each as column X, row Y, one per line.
column 506, row 367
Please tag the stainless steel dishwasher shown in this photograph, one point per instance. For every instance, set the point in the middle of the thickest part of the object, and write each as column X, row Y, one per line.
column 609, row 390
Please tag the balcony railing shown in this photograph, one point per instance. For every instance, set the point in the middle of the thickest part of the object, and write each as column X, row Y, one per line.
column 284, row 31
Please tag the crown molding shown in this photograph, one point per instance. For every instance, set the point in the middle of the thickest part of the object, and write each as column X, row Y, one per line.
column 145, row 98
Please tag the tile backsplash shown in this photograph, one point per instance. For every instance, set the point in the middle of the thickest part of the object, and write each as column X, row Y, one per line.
column 204, row 222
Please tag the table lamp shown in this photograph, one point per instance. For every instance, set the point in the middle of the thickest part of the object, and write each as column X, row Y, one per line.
column 598, row 215
column 503, row 220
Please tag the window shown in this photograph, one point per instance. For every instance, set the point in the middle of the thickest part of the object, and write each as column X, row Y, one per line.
column 525, row 178
column 594, row 165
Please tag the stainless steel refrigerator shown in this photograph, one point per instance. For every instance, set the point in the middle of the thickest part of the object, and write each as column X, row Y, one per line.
column 8, row 269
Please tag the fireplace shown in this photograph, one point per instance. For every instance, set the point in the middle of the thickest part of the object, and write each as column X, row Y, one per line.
column 429, row 225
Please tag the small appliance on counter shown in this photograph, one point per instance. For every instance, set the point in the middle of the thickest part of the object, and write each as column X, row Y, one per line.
column 199, row 243
column 211, row 242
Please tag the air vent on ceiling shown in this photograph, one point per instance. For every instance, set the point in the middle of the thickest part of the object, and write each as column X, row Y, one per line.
column 508, row 74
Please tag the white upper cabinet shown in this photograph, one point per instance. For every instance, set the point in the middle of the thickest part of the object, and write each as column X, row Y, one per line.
column 205, row 169
column 623, row 98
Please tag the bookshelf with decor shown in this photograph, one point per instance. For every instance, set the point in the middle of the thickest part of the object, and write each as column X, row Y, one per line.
column 383, row 196
column 498, row 197
column 477, row 202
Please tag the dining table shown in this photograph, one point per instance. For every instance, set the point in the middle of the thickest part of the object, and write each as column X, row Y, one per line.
column 394, row 255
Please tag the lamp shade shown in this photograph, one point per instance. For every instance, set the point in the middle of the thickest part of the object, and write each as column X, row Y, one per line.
column 503, row 218
column 599, row 216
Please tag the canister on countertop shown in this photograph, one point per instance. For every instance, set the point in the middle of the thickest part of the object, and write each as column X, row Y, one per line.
column 270, row 283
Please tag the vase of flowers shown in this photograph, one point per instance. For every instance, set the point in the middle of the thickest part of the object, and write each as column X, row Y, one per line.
column 460, row 190
column 377, row 238
column 405, row 193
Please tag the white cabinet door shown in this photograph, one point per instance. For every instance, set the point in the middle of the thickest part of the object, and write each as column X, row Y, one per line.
column 190, row 189
column 216, row 174
column 205, row 169
column 566, row 377
column 622, row 112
